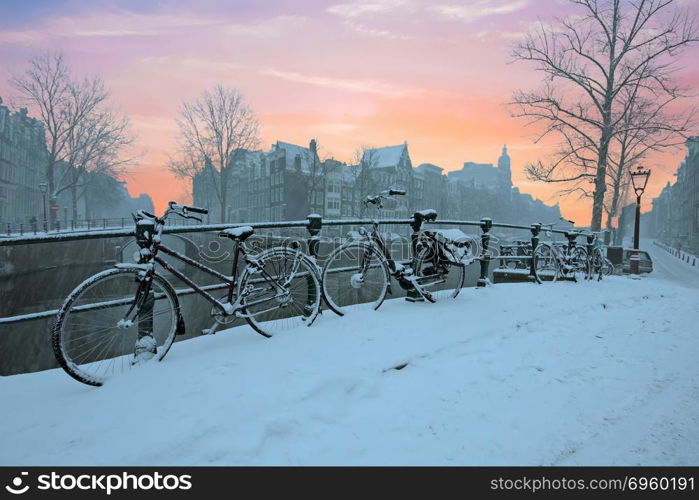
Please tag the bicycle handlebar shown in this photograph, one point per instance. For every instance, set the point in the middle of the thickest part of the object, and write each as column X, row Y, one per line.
column 172, row 207
column 378, row 198
column 187, row 208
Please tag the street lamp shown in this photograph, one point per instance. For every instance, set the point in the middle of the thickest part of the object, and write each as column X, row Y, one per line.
column 639, row 178
column 43, row 188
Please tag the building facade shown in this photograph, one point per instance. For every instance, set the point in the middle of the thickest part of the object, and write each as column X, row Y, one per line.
column 22, row 164
column 674, row 218
column 289, row 181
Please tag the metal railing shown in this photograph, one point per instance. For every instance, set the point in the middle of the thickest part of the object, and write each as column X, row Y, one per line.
column 313, row 224
column 15, row 228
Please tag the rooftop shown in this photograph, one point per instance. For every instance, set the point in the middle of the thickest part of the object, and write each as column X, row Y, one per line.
column 388, row 156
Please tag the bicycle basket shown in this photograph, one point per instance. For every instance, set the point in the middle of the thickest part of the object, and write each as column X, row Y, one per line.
column 459, row 246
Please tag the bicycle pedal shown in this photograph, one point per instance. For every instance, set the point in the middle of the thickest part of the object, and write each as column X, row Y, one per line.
column 208, row 331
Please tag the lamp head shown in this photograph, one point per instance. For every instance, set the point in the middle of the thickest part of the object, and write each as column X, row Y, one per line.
column 639, row 178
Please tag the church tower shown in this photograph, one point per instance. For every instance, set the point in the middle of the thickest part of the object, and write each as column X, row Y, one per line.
column 504, row 172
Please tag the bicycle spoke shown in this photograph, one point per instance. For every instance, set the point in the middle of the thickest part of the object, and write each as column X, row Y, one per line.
column 92, row 340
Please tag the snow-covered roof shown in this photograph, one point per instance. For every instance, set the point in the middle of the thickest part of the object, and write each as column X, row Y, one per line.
column 292, row 151
column 429, row 167
column 388, row 156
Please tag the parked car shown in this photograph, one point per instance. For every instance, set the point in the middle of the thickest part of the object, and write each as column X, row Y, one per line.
column 645, row 263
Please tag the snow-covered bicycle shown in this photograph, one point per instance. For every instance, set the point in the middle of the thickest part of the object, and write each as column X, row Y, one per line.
column 596, row 265
column 359, row 272
column 561, row 260
column 122, row 317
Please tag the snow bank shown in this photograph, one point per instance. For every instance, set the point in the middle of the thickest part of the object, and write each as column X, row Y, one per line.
column 562, row 373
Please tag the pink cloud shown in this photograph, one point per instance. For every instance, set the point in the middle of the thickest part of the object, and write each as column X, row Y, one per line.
column 345, row 72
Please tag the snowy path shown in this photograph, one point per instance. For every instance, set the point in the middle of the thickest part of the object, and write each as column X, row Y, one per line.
column 670, row 267
column 594, row 373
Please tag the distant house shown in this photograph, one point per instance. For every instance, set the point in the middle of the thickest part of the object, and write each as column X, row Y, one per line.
column 485, row 175
column 430, row 189
column 675, row 215
column 22, row 166
column 289, row 182
column 249, row 198
column 391, row 167
column 298, row 182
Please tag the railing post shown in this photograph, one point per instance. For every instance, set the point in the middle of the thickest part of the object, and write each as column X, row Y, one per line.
column 416, row 225
column 21, row 229
column 535, row 229
column 590, row 249
column 486, row 224
column 315, row 224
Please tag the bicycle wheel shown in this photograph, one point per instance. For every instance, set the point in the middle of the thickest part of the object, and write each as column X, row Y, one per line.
column 508, row 263
column 578, row 265
column 439, row 272
column 596, row 265
column 281, row 291
column 546, row 264
column 608, row 267
column 355, row 276
column 109, row 324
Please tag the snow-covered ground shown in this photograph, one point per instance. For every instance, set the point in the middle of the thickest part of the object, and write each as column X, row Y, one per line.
column 591, row 373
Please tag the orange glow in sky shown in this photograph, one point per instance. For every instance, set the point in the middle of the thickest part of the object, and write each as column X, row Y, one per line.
column 348, row 73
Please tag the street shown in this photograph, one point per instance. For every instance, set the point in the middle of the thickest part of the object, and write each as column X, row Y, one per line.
column 555, row 374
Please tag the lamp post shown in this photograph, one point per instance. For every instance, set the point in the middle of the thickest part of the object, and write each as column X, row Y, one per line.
column 43, row 187
column 639, row 178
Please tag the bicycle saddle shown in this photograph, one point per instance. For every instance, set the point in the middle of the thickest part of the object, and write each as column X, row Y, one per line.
column 428, row 215
column 237, row 233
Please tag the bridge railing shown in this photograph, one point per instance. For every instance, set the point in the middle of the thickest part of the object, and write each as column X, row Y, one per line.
column 38, row 270
column 29, row 227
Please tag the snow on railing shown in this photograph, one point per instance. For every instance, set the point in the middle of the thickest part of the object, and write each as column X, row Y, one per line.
column 312, row 224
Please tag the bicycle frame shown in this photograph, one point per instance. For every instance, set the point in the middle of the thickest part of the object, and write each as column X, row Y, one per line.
column 226, row 308
column 562, row 256
column 375, row 238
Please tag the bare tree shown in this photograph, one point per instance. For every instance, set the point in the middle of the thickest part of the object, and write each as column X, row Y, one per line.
column 215, row 129
column 364, row 159
column 95, row 146
column 62, row 103
column 319, row 167
column 646, row 127
column 589, row 62
column 313, row 171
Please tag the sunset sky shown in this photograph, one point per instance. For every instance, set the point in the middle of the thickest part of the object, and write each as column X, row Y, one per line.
column 437, row 74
